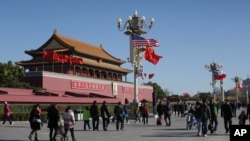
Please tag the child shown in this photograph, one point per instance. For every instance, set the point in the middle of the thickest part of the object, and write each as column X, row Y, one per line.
column 86, row 116
column 61, row 128
column 242, row 118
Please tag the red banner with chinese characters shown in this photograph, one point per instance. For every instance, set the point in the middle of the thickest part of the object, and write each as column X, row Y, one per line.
column 87, row 85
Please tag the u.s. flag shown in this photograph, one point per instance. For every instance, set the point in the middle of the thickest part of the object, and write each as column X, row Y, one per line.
column 140, row 41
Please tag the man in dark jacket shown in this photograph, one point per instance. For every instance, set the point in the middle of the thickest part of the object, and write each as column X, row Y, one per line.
column 105, row 114
column 95, row 116
column 118, row 111
column 53, row 118
column 227, row 115
column 160, row 109
column 167, row 113
column 197, row 114
column 205, row 116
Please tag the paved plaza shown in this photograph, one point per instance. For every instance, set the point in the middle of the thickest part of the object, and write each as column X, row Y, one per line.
column 132, row 132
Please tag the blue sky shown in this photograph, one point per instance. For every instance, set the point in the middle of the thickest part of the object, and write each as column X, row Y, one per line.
column 192, row 33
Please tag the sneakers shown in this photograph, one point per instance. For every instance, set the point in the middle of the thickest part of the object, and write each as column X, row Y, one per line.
column 12, row 123
column 205, row 135
column 30, row 138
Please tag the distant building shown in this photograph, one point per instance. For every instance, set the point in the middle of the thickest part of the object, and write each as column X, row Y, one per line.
column 68, row 68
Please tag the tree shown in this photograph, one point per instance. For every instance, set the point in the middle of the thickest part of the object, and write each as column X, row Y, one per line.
column 160, row 93
column 10, row 76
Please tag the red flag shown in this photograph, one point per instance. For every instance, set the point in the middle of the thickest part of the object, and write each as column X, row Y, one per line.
column 63, row 58
column 50, row 55
column 75, row 60
column 140, row 75
column 151, row 75
column 149, row 55
column 80, row 61
column 240, row 85
column 219, row 75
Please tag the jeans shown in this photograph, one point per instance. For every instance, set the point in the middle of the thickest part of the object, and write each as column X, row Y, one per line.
column 227, row 123
column 5, row 118
column 204, row 126
column 214, row 122
column 86, row 123
column 198, row 121
column 105, row 123
column 145, row 119
column 119, row 121
column 95, row 123
column 71, row 131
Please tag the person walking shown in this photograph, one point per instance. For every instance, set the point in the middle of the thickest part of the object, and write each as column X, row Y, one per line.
column 159, row 109
column 175, row 109
column 125, row 113
column 167, row 113
column 137, row 114
column 227, row 115
column 105, row 114
column 7, row 114
column 69, row 122
column 214, row 114
column 205, row 116
column 197, row 115
column 118, row 111
column 145, row 114
column 242, row 118
column 35, row 121
column 95, row 116
column 86, row 116
column 53, row 119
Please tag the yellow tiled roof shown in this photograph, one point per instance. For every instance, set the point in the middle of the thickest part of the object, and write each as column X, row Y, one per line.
column 88, row 49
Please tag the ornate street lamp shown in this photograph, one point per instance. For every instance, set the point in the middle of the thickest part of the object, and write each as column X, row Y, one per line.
column 247, row 94
column 213, row 67
column 135, row 25
column 236, row 80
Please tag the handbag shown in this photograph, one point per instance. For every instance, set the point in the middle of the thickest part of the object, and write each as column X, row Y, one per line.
column 36, row 120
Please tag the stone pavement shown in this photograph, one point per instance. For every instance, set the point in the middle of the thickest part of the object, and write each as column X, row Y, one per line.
column 132, row 132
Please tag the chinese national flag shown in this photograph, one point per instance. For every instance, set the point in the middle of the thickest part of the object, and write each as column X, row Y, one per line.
column 151, row 75
column 50, row 55
column 149, row 55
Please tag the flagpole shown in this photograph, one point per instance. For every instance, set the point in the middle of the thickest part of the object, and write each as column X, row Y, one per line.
column 222, row 89
column 135, row 25
column 213, row 67
column 247, row 94
column 43, row 61
column 236, row 80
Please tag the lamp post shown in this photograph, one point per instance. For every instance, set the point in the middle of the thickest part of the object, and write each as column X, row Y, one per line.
column 212, row 67
column 135, row 25
column 247, row 94
column 236, row 80
column 222, row 89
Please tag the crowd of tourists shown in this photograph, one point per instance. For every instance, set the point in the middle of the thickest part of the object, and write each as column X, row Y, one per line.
column 205, row 114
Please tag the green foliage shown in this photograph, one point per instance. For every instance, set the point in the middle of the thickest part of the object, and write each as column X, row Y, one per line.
column 160, row 93
column 10, row 76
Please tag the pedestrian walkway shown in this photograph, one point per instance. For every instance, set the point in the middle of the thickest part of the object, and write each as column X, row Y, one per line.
column 133, row 131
